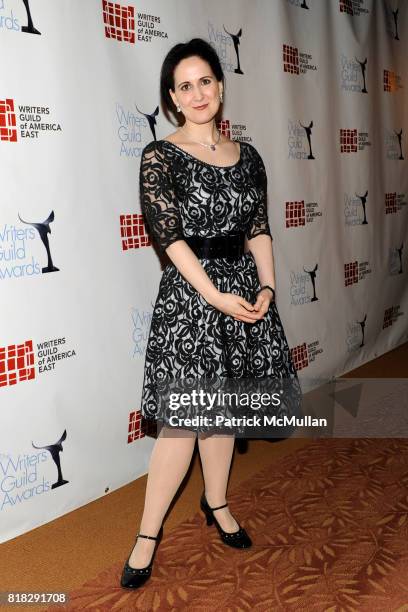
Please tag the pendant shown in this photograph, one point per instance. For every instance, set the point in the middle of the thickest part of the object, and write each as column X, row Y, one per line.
column 212, row 147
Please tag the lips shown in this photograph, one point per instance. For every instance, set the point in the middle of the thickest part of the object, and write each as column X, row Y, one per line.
column 200, row 107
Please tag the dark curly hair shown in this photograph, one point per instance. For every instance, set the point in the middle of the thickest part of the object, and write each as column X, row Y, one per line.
column 198, row 47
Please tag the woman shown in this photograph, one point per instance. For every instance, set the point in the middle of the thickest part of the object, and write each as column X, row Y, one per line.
column 215, row 315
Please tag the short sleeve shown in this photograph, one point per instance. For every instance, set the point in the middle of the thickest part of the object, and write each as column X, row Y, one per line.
column 159, row 204
column 259, row 222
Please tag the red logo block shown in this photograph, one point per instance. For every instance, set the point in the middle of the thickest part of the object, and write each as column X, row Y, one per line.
column 351, row 273
column 290, row 59
column 348, row 141
column 7, row 121
column 299, row 356
column 388, row 319
column 295, row 213
column 390, row 81
column 225, row 127
column 134, row 427
column 346, row 6
column 133, row 232
column 119, row 21
column 390, row 203
column 16, row 363
column 139, row 428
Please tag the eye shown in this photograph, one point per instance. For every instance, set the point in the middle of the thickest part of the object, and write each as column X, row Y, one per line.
column 206, row 81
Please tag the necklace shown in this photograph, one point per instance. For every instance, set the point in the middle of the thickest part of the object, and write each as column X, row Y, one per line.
column 209, row 146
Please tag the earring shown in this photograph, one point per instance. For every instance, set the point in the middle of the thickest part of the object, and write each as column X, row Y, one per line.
column 178, row 108
column 221, row 97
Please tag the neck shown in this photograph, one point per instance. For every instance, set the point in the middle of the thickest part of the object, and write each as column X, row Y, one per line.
column 205, row 132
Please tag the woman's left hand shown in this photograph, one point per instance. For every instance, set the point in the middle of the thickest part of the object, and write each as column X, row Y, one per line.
column 261, row 306
column 263, row 301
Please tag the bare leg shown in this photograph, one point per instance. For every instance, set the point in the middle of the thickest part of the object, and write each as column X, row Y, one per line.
column 216, row 454
column 169, row 462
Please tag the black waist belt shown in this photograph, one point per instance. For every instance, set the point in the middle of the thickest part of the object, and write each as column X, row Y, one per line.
column 231, row 245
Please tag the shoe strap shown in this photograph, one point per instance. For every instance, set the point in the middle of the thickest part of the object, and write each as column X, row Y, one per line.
column 219, row 507
column 140, row 535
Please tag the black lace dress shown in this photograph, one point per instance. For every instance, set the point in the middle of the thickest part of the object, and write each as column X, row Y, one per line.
column 182, row 195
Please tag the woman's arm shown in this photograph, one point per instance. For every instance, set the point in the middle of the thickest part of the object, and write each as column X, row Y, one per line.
column 159, row 204
column 259, row 237
column 191, row 268
column 261, row 249
column 228, row 303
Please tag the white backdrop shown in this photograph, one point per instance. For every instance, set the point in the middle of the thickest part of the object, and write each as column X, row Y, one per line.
column 75, row 101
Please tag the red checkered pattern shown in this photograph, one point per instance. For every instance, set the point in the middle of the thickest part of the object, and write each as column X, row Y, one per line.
column 299, row 356
column 134, row 427
column 351, row 273
column 390, row 81
column 225, row 127
column 295, row 213
column 388, row 319
column 290, row 59
column 390, row 203
column 139, row 427
column 16, row 363
column 119, row 21
column 133, row 232
column 346, row 6
column 7, row 121
column 348, row 141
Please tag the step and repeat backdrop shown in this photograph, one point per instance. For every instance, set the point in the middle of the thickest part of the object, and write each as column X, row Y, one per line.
column 317, row 86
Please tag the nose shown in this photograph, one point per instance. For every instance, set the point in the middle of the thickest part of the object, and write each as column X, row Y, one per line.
column 198, row 96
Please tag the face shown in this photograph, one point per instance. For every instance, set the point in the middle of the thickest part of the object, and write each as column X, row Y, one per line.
column 196, row 85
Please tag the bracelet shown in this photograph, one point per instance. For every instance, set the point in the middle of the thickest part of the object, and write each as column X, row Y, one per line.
column 268, row 287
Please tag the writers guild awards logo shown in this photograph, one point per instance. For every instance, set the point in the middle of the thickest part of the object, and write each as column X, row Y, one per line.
column 395, row 263
column 362, row 325
column 141, row 326
column 29, row 28
column 55, row 450
column 363, row 200
column 308, row 130
column 151, row 119
column 399, row 251
column 353, row 74
column 395, row 15
column 356, row 334
column 399, row 136
column 363, row 66
column 297, row 148
column 312, row 274
column 44, row 229
column 299, row 4
column 235, row 40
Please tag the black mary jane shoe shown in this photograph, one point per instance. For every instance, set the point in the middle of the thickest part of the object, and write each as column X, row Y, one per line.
column 236, row 539
column 133, row 578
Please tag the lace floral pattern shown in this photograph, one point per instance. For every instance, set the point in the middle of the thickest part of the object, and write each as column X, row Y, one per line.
column 183, row 196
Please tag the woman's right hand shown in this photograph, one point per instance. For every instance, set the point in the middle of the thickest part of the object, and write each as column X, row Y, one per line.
column 237, row 307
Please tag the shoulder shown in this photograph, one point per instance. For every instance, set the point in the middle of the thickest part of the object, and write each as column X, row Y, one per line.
column 156, row 152
column 253, row 151
column 256, row 164
column 256, row 161
column 154, row 146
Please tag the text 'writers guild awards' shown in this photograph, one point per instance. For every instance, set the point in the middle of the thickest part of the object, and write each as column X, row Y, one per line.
column 44, row 229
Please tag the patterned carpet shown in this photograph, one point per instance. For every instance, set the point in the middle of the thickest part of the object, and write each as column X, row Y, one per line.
column 330, row 532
